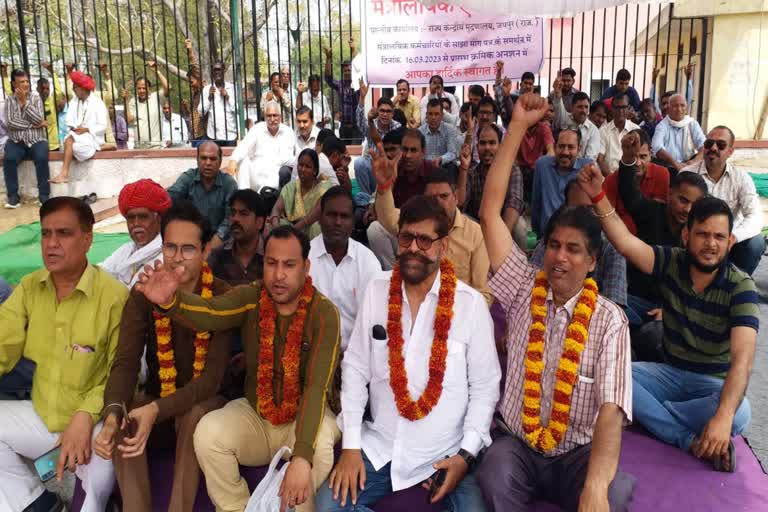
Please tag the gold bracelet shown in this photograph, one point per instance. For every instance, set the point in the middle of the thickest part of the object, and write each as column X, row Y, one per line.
column 613, row 210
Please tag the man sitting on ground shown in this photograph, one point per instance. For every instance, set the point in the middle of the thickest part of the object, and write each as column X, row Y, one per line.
column 441, row 138
column 611, row 134
column 185, row 372
column 554, row 407
column 696, row 399
column 142, row 203
column 87, row 120
column 209, row 189
column 432, row 376
column 408, row 103
column 577, row 120
column 264, row 156
column 284, row 315
column 678, row 140
column 736, row 188
column 487, row 113
column 65, row 318
column 567, row 90
column 240, row 260
column 377, row 124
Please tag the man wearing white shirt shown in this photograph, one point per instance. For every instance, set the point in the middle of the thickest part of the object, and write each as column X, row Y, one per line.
column 612, row 133
column 577, row 119
column 432, row 399
column 265, row 154
column 306, row 130
column 340, row 266
column 314, row 99
column 220, row 107
column 173, row 128
column 437, row 90
column 735, row 187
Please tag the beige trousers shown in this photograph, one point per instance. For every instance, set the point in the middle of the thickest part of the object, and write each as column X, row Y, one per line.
column 236, row 434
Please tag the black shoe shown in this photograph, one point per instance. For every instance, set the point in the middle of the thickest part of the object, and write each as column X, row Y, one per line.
column 46, row 502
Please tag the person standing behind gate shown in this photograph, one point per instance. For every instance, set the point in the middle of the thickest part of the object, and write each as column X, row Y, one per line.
column 147, row 110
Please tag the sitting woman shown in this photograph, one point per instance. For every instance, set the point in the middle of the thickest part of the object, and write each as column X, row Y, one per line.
column 299, row 201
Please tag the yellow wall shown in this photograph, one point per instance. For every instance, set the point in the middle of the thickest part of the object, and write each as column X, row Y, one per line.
column 696, row 8
column 738, row 73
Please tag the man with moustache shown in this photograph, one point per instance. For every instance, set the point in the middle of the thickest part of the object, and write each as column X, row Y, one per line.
column 736, row 188
column 65, row 318
column 408, row 103
column 240, row 260
column 147, row 113
column 142, row 203
column 185, row 371
column 577, row 119
column 220, row 107
column 291, row 339
column 422, row 352
column 567, row 79
column 695, row 399
column 314, row 98
column 678, row 140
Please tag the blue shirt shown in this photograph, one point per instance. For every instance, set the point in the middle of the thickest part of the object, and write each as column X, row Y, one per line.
column 548, row 189
column 673, row 140
column 634, row 98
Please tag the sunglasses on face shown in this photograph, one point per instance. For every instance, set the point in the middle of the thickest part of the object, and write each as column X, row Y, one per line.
column 423, row 242
column 721, row 144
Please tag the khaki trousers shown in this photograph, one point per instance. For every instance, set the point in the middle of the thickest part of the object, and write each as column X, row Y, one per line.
column 133, row 474
column 236, row 434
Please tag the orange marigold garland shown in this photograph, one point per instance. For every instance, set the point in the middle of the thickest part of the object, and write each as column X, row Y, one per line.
column 538, row 436
column 286, row 411
column 398, row 380
column 165, row 355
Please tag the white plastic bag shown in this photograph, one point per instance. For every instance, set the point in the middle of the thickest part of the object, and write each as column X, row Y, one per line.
column 264, row 497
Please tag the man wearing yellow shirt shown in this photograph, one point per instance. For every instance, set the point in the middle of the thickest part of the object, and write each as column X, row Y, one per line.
column 64, row 318
column 408, row 103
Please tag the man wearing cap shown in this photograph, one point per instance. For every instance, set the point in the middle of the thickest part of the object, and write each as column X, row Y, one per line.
column 142, row 203
column 87, row 120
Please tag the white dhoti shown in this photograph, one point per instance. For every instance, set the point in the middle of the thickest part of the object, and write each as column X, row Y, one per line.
column 23, row 434
column 254, row 176
column 84, row 145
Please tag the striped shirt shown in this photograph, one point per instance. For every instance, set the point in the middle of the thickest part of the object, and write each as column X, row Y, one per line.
column 20, row 120
column 697, row 326
column 605, row 374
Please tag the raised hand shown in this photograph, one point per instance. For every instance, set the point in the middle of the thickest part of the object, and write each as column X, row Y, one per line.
column 688, row 71
column 529, row 108
column 152, row 64
column 384, row 169
column 373, row 114
column 630, row 147
column 655, row 73
column 363, row 88
column 499, row 68
column 188, row 43
column 557, row 86
column 159, row 283
column 591, row 180
column 465, row 157
column 69, row 66
column 327, row 52
column 301, row 87
column 47, row 66
column 506, row 87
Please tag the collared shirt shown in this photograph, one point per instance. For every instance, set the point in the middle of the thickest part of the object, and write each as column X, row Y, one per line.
column 567, row 98
column 411, row 109
column 455, row 106
column 148, row 115
column 534, row 144
column 72, row 342
column 212, row 203
column 654, row 186
column 19, row 121
column 441, row 142
column 321, row 111
column 476, row 183
column 362, row 125
column 286, row 104
column 301, row 144
column 736, row 188
column 605, row 371
column 610, row 142
column 462, row 416
column 262, row 154
column 476, row 140
column 681, row 143
column 466, row 247
column 610, row 271
column 350, row 98
column 548, row 193
column 590, row 134
column 345, row 283
column 174, row 131
column 222, row 118
column 632, row 95
column 226, row 265
column 697, row 326
column 405, row 188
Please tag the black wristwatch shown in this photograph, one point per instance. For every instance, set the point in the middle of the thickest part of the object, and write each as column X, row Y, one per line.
column 468, row 458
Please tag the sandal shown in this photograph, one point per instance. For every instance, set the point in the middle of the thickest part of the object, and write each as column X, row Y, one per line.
column 718, row 462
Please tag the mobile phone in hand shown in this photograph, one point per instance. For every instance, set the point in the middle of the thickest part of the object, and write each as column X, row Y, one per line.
column 438, row 479
column 45, row 465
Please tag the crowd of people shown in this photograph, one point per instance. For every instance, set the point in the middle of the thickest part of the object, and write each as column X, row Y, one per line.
column 260, row 303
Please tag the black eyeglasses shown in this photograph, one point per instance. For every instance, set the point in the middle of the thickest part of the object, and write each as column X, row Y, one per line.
column 721, row 144
column 187, row 251
column 423, row 242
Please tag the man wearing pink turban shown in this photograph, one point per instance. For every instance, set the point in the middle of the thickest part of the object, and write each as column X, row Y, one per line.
column 142, row 203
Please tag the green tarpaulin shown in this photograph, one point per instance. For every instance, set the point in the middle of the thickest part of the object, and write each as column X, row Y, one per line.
column 761, row 183
column 20, row 250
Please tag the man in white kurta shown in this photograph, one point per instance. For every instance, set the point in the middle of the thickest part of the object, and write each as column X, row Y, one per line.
column 87, row 120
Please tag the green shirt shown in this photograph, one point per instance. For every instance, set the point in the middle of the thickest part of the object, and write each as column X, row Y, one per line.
column 72, row 342
column 213, row 203
column 319, row 349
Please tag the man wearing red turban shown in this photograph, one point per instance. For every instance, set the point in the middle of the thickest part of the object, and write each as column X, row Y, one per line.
column 142, row 203
column 87, row 119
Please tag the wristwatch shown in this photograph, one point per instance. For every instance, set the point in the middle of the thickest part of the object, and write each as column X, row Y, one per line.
column 468, row 458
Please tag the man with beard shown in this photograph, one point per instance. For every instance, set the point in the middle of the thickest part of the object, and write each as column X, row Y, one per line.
column 185, row 372
column 291, row 340
column 147, row 110
column 240, row 260
column 695, row 399
column 576, row 119
column 678, row 140
column 568, row 390
column 736, row 188
column 209, row 189
column 341, row 267
column 422, row 352
column 220, row 107
column 552, row 174
column 567, row 90
column 142, row 203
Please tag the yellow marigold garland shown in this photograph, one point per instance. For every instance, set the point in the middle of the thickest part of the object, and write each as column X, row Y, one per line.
column 540, row 437
column 165, row 355
column 398, row 379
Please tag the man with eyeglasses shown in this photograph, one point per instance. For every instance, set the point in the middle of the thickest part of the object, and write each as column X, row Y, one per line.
column 611, row 134
column 422, row 354
column 185, row 365
column 736, row 188
column 142, row 203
